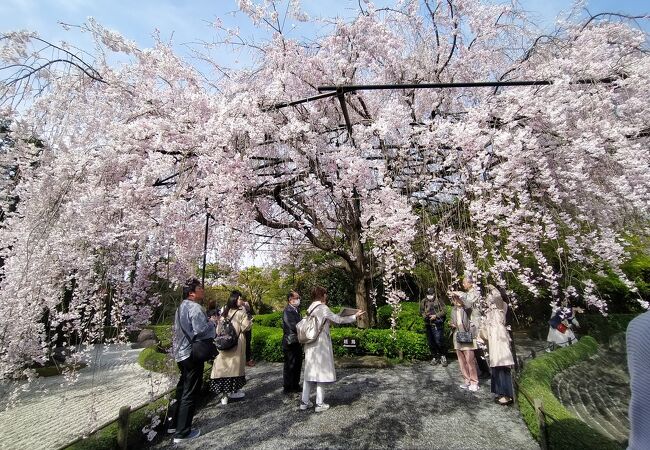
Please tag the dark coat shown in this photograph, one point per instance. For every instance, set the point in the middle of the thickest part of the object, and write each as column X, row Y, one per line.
column 290, row 318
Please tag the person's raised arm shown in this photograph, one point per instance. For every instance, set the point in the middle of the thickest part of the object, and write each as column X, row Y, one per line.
column 329, row 315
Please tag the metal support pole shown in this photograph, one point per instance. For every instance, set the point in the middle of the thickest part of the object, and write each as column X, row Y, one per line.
column 474, row 84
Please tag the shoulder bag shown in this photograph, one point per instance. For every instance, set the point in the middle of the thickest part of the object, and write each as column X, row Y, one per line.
column 308, row 329
column 202, row 349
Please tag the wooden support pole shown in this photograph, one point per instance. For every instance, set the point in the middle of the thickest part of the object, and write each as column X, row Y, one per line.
column 541, row 420
column 123, row 427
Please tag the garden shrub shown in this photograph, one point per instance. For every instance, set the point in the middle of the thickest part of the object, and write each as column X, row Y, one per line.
column 273, row 319
column 267, row 343
column 164, row 335
column 602, row 328
column 409, row 318
column 403, row 345
column 566, row 431
column 151, row 359
column 337, row 281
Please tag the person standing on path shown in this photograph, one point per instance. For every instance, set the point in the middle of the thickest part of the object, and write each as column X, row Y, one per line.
column 192, row 320
column 472, row 301
column 433, row 311
column 291, row 348
column 563, row 320
column 638, row 363
column 319, row 355
column 464, row 350
column 228, row 374
column 493, row 330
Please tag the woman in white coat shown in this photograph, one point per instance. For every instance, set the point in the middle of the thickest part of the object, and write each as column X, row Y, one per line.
column 494, row 331
column 319, row 356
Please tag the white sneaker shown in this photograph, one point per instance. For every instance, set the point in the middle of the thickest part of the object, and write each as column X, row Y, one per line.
column 224, row 400
column 464, row 386
column 305, row 406
column 237, row 394
column 473, row 387
column 193, row 434
column 322, row 407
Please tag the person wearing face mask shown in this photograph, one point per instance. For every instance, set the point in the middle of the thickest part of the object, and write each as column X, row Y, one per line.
column 290, row 346
column 494, row 331
column 319, row 354
column 473, row 304
column 433, row 311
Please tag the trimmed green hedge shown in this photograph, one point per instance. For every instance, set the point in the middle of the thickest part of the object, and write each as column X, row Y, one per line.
column 404, row 345
column 267, row 343
column 566, row 431
column 409, row 318
column 273, row 319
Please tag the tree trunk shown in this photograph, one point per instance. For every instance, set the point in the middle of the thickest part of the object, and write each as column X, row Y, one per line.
column 361, row 282
column 362, row 297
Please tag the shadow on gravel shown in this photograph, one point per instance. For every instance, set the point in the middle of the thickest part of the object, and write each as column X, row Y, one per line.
column 406, row 407
column 574, row 434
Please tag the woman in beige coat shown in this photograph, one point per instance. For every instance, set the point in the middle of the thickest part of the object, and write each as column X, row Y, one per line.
column 319, row 355
column 464, row 351
column 228, row 371
column 493, row 330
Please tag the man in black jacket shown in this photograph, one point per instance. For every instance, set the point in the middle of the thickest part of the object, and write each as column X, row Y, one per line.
column 433, row 311
column 290, row 346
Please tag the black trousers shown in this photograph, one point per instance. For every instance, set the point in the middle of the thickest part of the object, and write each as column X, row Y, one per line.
column 435, row 338
column 292, row 366
column 187, row 395
column 249, row 336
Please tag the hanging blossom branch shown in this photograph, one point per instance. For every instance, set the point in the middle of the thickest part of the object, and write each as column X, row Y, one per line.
column 28, row 66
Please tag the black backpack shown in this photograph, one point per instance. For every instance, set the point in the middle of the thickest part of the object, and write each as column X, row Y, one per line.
column 226, row 337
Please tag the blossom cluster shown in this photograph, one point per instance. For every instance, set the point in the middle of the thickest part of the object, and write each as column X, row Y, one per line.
column 109, row 172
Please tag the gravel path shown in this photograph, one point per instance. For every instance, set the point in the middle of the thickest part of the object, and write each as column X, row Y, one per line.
column 407, row 407
column 54, row 412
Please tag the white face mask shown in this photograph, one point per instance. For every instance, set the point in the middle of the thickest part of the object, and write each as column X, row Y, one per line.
column 295, row 303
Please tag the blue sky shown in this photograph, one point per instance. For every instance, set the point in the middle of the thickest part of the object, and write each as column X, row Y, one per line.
column 189, row 21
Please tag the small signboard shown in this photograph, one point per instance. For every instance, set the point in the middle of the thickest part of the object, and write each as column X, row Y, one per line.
column 350, row 342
